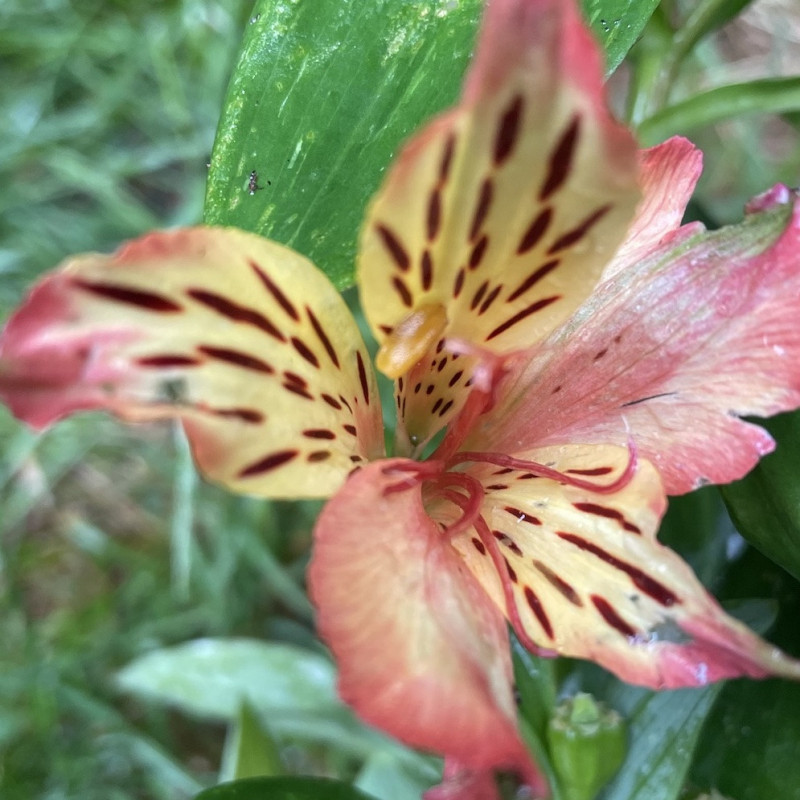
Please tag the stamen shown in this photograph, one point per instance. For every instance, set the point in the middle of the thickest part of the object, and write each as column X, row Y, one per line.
column 470, row 504
column 414, row 472
column 542, row 471
column 512, row 612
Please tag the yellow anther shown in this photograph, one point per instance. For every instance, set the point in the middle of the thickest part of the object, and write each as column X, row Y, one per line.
column 411, row 339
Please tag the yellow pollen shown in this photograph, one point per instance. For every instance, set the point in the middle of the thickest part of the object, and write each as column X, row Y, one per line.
column 411, row 339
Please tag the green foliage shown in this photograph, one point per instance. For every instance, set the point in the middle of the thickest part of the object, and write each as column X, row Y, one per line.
column 326, row 92
column 283, row 789
column 765, row 506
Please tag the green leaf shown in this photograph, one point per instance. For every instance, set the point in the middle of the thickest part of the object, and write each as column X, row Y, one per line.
column 765, row 506
column 249, row 749
column 211, row 677
column 283, row 789
column 618, row 24
column 750, row 743
column 664, row 727
column 767, row 96
column 387, row 778
column 324, row 94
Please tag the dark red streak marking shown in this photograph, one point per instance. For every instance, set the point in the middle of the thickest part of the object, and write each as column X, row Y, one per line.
column 558, row 583
column 577, row 233
column 319, row 433
column 478, row 252
column 280, row 298
column 478, row 544
column 293, row 377
column 235, row 312
column 323, row 337
column 236, row 358
column 482, row 208
column 506, row 540
column 561, row 159
column 454, row 380
column 402, row 290
column 447, row 158
column 533, row 279
column 268, row 463
column 610, row 513
column 594, row 471
column 168, row 360
column 459, row 282
column 318, row 455
column 244, row 414
column 526, row 312
column 490, row 298
column 305, row 352
column 426, row 269
column 537, row 229
column 351, row 429
column 362, row 376
column 298, row 390
column 332, row 402
column 508, row 130
column 511, row 573
column 133, row 297
column 445, row 408
column 395, row 248
column 611, row 617
column 434, row 214
column 660, row 593
column 538, row 610
column 522, row 516
column 478, row 296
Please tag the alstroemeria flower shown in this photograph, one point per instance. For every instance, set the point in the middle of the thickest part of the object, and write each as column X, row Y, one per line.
column 568, row 409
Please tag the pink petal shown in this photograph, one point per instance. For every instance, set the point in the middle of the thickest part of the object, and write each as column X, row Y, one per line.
column 422, row 653
column 496, row 221
column 590, row 580
column 668, row 174
column 672, row 352
column 243, row 340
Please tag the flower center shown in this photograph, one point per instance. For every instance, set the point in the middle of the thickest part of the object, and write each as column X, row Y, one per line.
column 410, row 339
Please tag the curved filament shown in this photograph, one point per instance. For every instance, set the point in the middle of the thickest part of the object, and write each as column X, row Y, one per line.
column 512, row 613
column 540, row 470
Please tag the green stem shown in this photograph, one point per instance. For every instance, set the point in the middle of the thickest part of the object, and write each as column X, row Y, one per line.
column 182, row 516
column 771, row 95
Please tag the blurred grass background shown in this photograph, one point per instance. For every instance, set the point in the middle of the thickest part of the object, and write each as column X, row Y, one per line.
column 109, row 546
column 109, row 109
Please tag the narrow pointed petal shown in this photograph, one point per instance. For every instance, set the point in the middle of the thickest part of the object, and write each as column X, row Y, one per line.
column 503, row 212
column 422, row 652
column 243, row 340
column 668, row 174
column 590, row 580
column 673, row 352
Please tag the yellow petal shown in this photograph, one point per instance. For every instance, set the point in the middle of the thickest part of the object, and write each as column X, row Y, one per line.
column 243, row 340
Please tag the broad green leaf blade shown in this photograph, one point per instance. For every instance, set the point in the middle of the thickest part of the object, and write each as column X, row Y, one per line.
column 387, row 778
column 283, row 789
column 211, row 677
column 324, row 94
column 750, row 744
column 765, row 506
column 664, row 727
column 249, row 750
column 618, row 24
